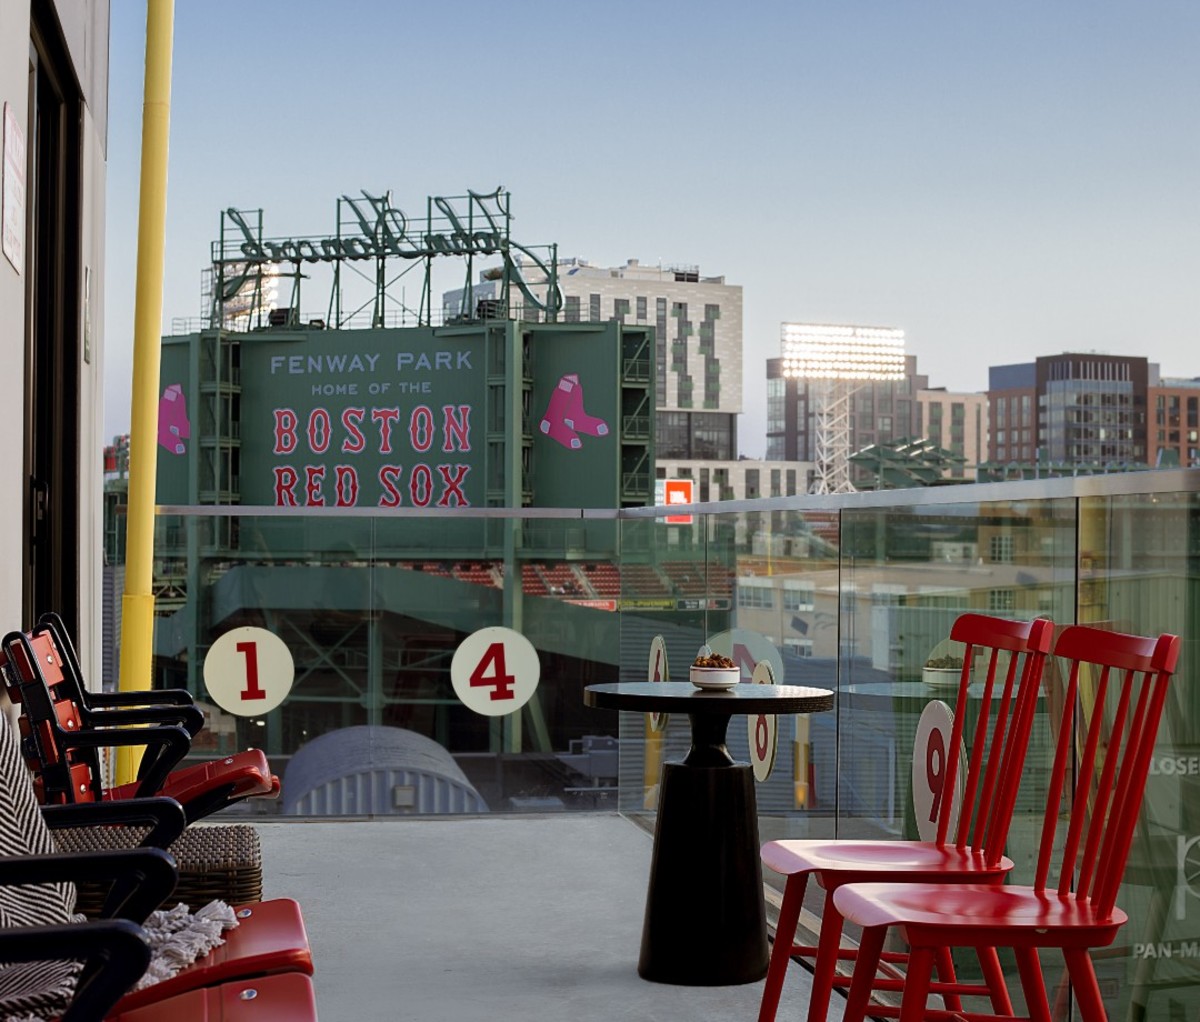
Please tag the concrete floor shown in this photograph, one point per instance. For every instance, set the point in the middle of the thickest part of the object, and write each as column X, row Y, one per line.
column 486, row 919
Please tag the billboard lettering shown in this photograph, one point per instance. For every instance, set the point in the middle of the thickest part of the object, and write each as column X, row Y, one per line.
column 318, row 486
column 353, row 435
column 308, row 365
column 382, row 431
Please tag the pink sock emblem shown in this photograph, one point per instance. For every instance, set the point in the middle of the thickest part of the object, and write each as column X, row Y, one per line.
column 565, row 418
column 576, row 417
column 173, row 425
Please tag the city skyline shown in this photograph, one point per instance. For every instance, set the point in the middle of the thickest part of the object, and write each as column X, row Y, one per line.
column 999, row 183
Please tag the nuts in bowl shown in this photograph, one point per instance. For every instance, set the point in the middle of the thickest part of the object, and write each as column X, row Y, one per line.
column 713, row 670
column 713, row 660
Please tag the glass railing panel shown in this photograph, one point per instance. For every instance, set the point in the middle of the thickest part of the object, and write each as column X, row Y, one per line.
column 755, row 586
column 373, row 610
column 907, row 573
column 785, row 606
column 664, row 597
column 851, row 595
column 1139, row 558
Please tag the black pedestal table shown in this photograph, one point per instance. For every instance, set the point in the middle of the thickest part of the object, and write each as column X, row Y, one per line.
column 705, row 922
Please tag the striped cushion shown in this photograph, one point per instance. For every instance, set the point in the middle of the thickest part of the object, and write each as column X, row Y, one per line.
column 29, row 987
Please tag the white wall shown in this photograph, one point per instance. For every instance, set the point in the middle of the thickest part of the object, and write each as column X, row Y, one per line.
column 14, row 88
column 85, row 30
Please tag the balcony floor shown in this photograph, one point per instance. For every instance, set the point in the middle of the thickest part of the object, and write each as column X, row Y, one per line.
column 481, row 918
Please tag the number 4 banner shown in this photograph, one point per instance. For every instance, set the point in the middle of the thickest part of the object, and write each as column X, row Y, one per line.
column 249, row 671
column 495, row 671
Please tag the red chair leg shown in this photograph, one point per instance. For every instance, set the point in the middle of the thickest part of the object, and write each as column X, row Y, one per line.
column 1061, row 1009
column 781, row 951
column 827, row 958
column 916, row 985
column 945, row 970
column 866, row 964
column 1033, row 984
column 1083, row 981
column 993, row 976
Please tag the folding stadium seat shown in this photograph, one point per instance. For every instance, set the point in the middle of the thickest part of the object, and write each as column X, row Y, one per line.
column 64, row 726
column 40, row 943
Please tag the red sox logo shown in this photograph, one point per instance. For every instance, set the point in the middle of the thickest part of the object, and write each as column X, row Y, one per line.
column 565, row 418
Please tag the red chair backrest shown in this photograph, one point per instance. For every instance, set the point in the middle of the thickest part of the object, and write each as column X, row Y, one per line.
column 33, row 669
column 68, row 662
column 1126, row 687
column 1002, row 728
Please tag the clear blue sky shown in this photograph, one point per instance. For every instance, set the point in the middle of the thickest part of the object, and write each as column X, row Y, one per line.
column 1000, row 180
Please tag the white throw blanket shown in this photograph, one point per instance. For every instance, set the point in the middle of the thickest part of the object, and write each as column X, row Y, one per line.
column 179, row 937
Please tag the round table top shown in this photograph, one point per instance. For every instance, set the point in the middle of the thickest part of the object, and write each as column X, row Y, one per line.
column 684, row 697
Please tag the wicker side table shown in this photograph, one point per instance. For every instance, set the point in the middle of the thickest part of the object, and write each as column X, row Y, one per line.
column 216, row 861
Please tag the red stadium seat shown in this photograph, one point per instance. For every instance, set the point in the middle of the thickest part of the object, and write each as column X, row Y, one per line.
column 63, row 728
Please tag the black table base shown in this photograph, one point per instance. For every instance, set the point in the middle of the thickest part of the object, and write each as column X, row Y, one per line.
column 705, row 921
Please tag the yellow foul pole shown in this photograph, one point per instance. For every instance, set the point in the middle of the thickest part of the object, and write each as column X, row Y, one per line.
column 137, row 605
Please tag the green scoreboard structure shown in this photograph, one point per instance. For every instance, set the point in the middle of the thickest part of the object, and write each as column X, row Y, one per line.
column 309, row 423
column 465, row 416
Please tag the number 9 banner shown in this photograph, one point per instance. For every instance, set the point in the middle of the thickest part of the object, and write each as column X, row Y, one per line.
column 929, row 773
column 495, row 671
column 763, row 729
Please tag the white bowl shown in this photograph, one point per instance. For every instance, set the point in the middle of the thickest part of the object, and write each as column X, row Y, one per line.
column 715, row 677
column 941, row 677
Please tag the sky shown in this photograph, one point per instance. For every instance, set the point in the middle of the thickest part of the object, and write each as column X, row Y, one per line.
column 1000, row 180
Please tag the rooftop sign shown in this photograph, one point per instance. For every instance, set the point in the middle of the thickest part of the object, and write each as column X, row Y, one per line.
column 370, row 228
column 383, row 230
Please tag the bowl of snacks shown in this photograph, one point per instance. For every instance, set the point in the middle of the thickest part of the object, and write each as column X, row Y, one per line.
column 712, row 670
column 942, row 670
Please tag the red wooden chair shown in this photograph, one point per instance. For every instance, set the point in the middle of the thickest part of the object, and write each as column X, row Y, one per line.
column 1000, row 738
column 62, row 734
column 1114, row 747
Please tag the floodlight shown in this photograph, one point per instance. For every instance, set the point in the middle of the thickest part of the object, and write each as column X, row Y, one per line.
column 836, row 361
column 821, row 352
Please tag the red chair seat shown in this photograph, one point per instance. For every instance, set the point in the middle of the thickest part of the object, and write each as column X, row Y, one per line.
column 976, row 907
column 287, row 997
column 248, row 773
column 910, row 860
column 270, row 939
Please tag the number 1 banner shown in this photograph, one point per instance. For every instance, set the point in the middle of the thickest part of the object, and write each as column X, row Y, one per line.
column 249, row 671
column 495, row 671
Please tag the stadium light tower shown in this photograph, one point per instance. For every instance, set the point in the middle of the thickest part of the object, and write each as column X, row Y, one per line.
column 836, row 361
